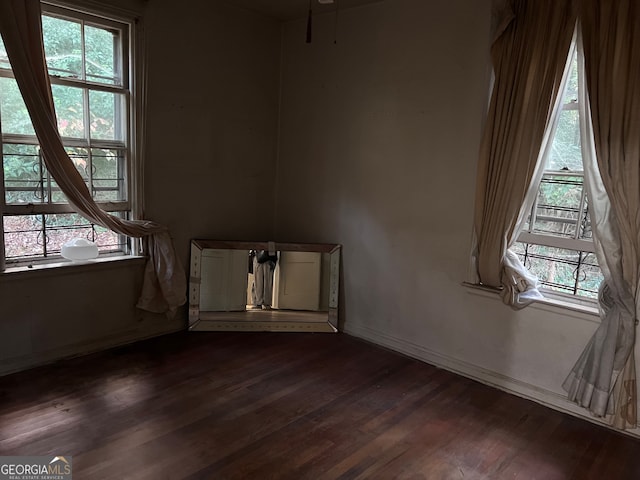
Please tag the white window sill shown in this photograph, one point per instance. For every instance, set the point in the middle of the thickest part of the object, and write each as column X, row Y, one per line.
column 579, row 308
column 62, row 266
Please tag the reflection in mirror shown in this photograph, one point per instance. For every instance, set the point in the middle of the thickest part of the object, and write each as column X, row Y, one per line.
column 263, row 286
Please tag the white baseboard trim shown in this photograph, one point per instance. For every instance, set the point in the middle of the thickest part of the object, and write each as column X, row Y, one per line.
column 24, row 362
column 497, row 380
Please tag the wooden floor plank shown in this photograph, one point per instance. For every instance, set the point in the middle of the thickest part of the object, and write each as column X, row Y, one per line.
column 225, row 405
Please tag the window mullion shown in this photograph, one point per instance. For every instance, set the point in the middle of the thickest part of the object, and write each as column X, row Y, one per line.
column 87, row 134
column 73, row 82
column 83, row 52
column 585, row 245
column 45, row 180
column 57, row 208
column 18, row 138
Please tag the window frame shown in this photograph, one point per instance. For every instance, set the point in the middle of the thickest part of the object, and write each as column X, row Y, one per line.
column 576, row 243
column 124, row 65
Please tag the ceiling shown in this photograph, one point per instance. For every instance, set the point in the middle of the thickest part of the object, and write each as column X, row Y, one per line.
column 291, row 9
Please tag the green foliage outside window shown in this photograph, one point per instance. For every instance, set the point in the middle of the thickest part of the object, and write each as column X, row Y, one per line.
column 64, row 52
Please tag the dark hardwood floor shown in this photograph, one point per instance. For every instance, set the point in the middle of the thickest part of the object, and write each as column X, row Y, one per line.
column 291, row 406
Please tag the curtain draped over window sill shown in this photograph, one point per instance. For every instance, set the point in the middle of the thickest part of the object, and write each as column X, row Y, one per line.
column 164, row 288
column 528, row 54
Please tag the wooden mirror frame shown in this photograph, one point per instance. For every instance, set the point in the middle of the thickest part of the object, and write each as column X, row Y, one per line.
column 229, row 321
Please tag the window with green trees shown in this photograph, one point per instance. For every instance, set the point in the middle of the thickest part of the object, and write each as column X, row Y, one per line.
column 88, row 62
column 556, row 243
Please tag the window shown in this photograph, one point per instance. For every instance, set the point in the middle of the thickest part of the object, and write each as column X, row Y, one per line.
column 556, row 243
column 88, row 63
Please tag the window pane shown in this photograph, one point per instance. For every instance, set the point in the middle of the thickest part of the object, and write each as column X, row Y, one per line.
column 24, row 180
column 70, row 110
column 589, row 276
column 22, row 175
column 109, row 241
column 56, row 194
column 558, row 205
column 100, row 51
column 63, row 228
column 23, row 236
column 106, row 109
column 565, row 150
column 519, row 249
column 554, row 267
column 15, row 118
column 108, row 177
column 63, row 46
column 562, row 270
column 80, row 158
column 571, row 94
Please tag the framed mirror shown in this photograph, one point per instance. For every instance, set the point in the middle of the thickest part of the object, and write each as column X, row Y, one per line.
column 263, row 286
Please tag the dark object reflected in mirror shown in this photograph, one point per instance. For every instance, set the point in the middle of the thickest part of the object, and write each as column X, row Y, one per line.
column 263, row 286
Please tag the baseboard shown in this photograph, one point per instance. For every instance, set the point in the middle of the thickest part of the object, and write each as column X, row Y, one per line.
column 24, row 362
column 497, row 380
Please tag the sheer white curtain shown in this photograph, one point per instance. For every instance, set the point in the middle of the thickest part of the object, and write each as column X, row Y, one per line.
column 603, row 379
column 529, row 56
column 164, row 287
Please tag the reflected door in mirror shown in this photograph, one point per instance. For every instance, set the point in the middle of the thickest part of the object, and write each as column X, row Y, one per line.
column 297, row 281
column 224, row 280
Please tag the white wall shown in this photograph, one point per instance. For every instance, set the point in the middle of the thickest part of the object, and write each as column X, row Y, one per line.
column 54, row 313
column 212, row 135
column 212, row 120
column 379, row 143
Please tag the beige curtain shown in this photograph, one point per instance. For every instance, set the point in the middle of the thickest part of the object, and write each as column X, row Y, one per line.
column 603, row 380
column 529, row 56
column 20, row 24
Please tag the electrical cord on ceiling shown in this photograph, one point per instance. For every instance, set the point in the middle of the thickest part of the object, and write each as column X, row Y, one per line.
column 309, row 20
column 335, row 24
